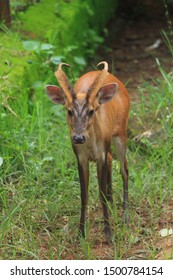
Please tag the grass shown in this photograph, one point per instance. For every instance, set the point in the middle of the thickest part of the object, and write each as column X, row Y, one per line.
column 39, row 189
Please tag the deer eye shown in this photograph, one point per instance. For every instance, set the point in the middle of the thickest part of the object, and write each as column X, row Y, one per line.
column 91, row 113
column 70, row 113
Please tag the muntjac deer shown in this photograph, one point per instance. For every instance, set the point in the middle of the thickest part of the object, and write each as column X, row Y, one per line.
column 97, row 113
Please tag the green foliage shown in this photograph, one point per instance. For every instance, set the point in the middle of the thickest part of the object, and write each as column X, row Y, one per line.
column 73, row 28
column 19, row 5
column 13, row 59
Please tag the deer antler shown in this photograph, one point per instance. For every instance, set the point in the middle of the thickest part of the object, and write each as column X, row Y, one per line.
column 105, row 65
column 98, row 81
column 64, row 82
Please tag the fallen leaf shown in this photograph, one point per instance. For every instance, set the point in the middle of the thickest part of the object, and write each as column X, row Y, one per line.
column 165, row 232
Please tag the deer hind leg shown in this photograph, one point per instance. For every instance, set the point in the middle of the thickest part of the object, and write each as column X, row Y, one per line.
column 120, row 145
column 109, row 178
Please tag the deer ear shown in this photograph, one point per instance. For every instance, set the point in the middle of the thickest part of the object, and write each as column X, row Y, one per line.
column 107, row 92
column 55, row 94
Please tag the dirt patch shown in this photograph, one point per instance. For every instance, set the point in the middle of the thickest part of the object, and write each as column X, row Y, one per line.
column 165, row 244
column 166, row 248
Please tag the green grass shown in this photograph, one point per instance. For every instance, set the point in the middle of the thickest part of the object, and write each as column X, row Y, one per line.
column 34, row 182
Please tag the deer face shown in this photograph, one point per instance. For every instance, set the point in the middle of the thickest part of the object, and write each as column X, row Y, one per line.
column 81, row 112
column 80, row 116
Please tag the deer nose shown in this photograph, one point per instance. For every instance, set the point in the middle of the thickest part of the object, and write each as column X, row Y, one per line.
column 78, row 139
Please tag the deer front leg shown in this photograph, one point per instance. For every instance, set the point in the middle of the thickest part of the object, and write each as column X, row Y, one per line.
column 83, row 169
column 102, row 179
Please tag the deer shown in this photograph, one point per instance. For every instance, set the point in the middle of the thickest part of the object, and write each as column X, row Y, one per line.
column 97, row 115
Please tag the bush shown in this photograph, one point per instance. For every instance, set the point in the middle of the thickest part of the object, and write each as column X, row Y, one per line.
column 73, row 28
